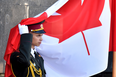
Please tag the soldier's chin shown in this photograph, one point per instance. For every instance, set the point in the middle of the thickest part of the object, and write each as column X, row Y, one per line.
column 38, row 45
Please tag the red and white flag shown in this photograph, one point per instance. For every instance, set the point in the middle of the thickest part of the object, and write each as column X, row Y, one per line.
column 76, row 42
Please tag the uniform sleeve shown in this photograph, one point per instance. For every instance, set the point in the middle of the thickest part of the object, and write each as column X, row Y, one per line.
column 22, row 58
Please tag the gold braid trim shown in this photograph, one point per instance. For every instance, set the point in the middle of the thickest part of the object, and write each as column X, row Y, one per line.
column 28, row 72
column 15, row 75
column 12, row 70
column 32, row 72
column 39, row 72
column 38, row 29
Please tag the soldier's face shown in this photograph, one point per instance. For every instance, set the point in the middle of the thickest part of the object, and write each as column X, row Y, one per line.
column 37, row 39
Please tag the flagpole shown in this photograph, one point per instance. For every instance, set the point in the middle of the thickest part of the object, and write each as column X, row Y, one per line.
column 114, row 65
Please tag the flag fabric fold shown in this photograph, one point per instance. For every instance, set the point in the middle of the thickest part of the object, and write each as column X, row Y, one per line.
column 14, row 36
column 76, row 42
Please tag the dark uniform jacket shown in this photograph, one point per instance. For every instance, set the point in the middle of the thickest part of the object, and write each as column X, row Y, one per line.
column 20, row 61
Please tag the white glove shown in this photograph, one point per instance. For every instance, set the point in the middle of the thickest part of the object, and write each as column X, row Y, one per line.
column 23, row 29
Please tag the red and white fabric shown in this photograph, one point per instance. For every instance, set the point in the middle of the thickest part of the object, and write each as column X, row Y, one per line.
column 76, row 43
column 15, row 32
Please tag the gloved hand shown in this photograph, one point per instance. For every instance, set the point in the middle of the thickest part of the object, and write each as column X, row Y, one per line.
column 23, row 29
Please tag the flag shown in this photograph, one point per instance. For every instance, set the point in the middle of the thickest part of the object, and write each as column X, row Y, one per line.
column 76, row 42
column 112, row 46
column 14, row 36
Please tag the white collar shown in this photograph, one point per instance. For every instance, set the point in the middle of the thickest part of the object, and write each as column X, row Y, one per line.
column 32, row 52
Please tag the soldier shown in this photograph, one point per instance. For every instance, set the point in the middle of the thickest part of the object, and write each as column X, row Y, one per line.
column 26, row 62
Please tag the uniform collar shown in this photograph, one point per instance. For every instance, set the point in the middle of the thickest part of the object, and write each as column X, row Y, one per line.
column 32, row 52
